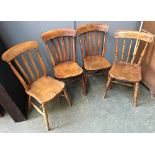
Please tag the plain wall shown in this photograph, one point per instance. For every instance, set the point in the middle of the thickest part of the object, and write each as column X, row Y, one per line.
column 13, row 32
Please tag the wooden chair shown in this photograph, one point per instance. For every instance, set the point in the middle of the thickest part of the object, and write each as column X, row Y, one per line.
column 127, row 69
column 25, row 61
column 92, row 39
column 60, row 44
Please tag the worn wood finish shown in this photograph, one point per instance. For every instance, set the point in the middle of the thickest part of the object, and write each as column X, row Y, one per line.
column 65, row 66
column 124, row 71
column 41, row 87
column 45, row 88
column 134, row 35
column 92, row 27
column 19, row 49
column 58, row 33
column 95, row 63
column 93, row 47
column 67, row 69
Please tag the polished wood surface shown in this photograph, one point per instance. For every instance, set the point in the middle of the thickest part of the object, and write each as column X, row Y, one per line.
column 61, row 47
column 128, row 69
column 41, row 87
column 95, row 63
column 67, row 69
column 125, row 72
column 45, row 88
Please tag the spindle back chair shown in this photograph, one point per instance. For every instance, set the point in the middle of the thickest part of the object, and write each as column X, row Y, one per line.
column 26, row 62
column 60, row 44
column 92, row 38
column 126, row 70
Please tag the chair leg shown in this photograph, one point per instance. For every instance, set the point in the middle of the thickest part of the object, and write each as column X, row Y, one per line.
column 67, row 96
column 46, row 117
column 107, row 86
column 136, row 89
column 83, row 82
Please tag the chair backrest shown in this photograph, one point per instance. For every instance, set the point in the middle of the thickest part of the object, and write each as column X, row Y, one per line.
column 24, row 59
column 92, row 39
column 60, row 44
column 131, row 36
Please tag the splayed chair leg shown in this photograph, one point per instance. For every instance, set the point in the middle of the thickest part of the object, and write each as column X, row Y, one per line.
column 136, row 89
column 107, row 86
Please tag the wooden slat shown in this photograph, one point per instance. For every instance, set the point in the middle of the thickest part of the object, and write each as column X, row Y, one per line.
column 41, row 63
column 123, row 48
column 33, row 63
column 27, row 67
column 86, row 45
column 54, row 50
column 99, row 42
column 104, row 44
column 50, row 54
column 94, row 47
column 19, row 77
column 129, row 51
column 125, row 84
column 142, row 54
column 59, row 50
column 22, row 70
column 116, row 50
column 135, row 52
column 74, row 50
column 68, row 47
column 83, row 54
column 89, row 44
column 63, row 48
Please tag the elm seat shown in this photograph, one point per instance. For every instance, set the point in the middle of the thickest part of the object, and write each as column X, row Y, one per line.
column 126, row 71
column 67, row 69
column 45, row 88
column 95, row 63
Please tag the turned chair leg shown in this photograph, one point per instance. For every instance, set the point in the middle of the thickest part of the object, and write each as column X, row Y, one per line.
column 45, row 114
column 107, row 86
column 136, row 89
column 67, row 96
column 83, row 82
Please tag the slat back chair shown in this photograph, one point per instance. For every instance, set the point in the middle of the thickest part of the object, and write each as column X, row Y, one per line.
column 60, row 44
column 25, row 61
column 127, row 67
column 92, row 38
